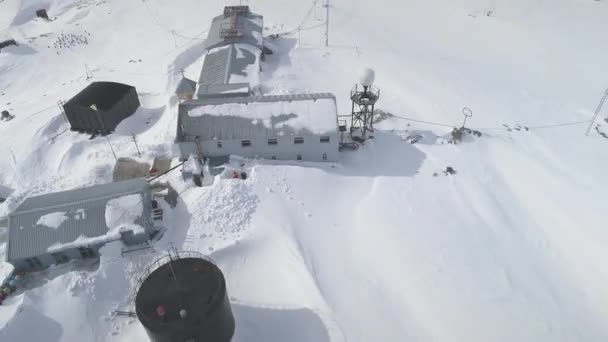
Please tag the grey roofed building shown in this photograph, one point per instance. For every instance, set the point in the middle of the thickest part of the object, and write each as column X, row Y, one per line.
column 33, row 244
column 234, row 48
column 185, row 89
column 284, row 127
column 186, row 86
column 236, row 25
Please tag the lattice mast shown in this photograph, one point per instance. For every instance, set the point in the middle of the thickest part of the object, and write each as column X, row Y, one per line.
column 364, row 97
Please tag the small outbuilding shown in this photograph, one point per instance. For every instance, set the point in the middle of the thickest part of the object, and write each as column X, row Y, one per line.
column 185, row 89
column 281, row 127
column 101, row 106
column 41, row 13
column 55, row 228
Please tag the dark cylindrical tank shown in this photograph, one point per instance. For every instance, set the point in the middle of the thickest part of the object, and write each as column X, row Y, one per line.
column 195, row 285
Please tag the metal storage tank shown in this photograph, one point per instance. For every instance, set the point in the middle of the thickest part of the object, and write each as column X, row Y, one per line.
column 101, row 106
column 182, row 297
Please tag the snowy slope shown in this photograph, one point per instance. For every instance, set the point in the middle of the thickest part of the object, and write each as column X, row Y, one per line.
column 374, row 248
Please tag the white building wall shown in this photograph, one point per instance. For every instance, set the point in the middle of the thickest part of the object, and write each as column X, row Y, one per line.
column 311, row 150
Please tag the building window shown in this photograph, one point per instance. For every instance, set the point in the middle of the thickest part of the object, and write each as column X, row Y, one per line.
column 299, row 157
column 246, row 143
column 324, row 156
column 298, row 140
column 273, row 157
column 273, row 141
column 219, row 144
column 324, row 139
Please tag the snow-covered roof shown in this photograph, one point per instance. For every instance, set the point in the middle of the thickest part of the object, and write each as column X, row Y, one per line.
column 243, row 117
column 234, row 46
column 61, row 218
column 229, row 69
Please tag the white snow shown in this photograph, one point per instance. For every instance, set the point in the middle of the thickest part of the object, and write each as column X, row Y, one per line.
column 123, row 210
column 192, row 165
column 53, row 220
column 80, row 215
column 318, row 116
column 373, row 248
column 252, row 71
column 85, row 241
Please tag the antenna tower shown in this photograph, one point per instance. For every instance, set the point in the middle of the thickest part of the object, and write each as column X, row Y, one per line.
column 364, row 97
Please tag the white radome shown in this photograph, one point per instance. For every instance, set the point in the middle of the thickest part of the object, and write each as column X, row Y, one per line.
column 367, row 77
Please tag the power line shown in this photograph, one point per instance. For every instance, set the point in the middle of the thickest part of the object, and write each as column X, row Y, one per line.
column 422, row 121
column 493, row 128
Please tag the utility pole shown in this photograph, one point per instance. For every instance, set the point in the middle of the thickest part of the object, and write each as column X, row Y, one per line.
column 137, row 147
column 326, row 22
column 88, row 72
column 111, row 148
column 597, row 112
column 467, row 112
column 174, row 39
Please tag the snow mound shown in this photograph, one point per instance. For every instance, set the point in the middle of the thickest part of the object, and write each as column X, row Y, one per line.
column 223, row 212
column 123, row 211
column 53, row 220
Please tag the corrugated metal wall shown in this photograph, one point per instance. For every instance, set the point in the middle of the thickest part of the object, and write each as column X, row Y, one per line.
column 26, row 238
column 311, row 150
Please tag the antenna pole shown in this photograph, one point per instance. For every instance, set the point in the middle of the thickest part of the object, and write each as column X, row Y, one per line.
column 137, row 147
column 111, row 148
column 597, row 112
column 327, row 23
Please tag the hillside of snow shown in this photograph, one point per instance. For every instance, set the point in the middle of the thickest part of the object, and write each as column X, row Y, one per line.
column 381, row 246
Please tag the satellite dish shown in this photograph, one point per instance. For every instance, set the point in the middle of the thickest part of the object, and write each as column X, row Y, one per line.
column 367, row 77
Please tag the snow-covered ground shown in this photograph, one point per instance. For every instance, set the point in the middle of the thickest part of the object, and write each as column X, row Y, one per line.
column 373, row 248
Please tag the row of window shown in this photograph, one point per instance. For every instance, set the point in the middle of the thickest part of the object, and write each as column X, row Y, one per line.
column 299, row 157
column 275, row 141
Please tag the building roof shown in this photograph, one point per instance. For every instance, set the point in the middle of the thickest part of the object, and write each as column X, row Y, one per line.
column 63, row 217
column 254, row 116
column 229, row 69
column 186, row 86
column 234, row 45
column 104, row 95
column 236, row 25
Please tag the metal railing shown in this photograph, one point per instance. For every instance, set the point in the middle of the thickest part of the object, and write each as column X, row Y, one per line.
column 172, row 255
